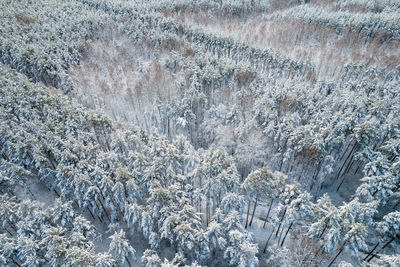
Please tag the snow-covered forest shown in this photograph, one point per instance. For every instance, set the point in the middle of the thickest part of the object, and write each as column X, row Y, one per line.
column 199, row 133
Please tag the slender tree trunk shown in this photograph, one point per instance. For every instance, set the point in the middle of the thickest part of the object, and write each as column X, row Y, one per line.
column 303, row 170
column 396, row 205
column 387, row 244
column 345, row 152
column 101, row 199
column 280, row 235
column 280, row 223
column 76, row 204
column 248, row 212
column 337, row 255
column 13, row 226
column 128, row 261
column 323, row 231
column 312, row 184
column 8, row 231
column 254, row 210
column 345, row 162
column 372, row 251
column 337, row 189
column 30, row 192
column 207, row 214
column 269, row 238
column 199, row 206
column 284, row 237
column 317, row 171
column 345, row 172
column 55, row 191
column 319, row 250
column 349, row 166
column 105, row 211
column 280, row 165
column 358, row 167
column 269, row 210
column 91, row 213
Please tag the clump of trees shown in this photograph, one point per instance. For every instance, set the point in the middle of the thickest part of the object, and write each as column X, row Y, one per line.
column 287, row 138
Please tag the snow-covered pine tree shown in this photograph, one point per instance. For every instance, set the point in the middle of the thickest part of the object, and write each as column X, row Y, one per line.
column 240, row 251
column 94, row 199
column 186, row 231
column 132, row 215
column 231, row 202
column 262, row 184
column 63, row 212
column 290, row 193
column 215, row 237
column 344, row 264
column 83, row 226
column 299, row 213
column 150, row 258
column 388, row 229
column 118, row 192
column 8, row 250
column 386, row 261
column 346, row 227
column 56, row 245
column 8, row 211
column 28, row 251
column 120, row 247
column 324, row 212
column 216, row 175
column 133, row 191
column 274, row 189
column 105, row 260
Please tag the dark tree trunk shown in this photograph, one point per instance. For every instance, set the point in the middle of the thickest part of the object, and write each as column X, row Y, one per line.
column 345, row 162
column 372, row 251
column 269, row 238
column 55, row 191
column 396, row 205
column 323, row 231
column 254, row 210
column 284, row 237
column 105, row 211
column 269, row 210
column 358, row 167
column 13, row 226
column 337, row 189
column 91, row 213
column 8, row 231
column 128, row 261
column 248, row 212
column 280, row 223
column 337, row 255
column 349, row 166
column 387, row 244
